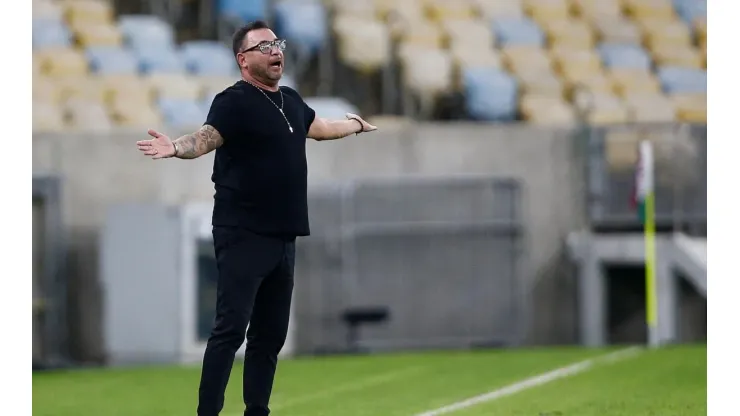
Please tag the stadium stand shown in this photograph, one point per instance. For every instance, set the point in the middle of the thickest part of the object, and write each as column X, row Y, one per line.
column 538, row 61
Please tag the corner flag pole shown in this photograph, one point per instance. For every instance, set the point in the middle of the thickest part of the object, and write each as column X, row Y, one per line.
column 645, row 193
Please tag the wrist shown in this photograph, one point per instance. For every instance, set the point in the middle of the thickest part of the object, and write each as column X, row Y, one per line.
column 174, row 145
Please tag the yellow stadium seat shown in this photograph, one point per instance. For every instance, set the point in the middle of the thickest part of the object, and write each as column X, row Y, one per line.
column 449, row 9
column 650, row 9
column 597, row 9
column 569, row 32
column 88, row 116
column 399, row 15
column 426, row 70
column 46, row 90
column 359, row 8
column 97, row 34
column 665, row 33
column 424, row 34
column 595, row 83
column 700, row 26
column 125, row 87
column 473, row 32
column 90, row 11
column 80, row 88
column 543, row 11
column 685, row 56
column 47, row 118
column 603, row 109
column 529, row 58
column 364, row 46
column 214, row 84
column 691, row 108
column 471, row 57
column 62, row 62
column 573, row 64
column 546, row 110
column 617, row 30
column 626, row 81
column 489, row 9
column 176, row 86
column 650, row 108
column 541, row 83
column 127, row 113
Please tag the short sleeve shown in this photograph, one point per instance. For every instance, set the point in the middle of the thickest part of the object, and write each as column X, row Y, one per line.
column 223, row 114
column 308, row 115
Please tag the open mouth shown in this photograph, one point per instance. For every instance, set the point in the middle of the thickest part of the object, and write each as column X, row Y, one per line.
column 277, row 64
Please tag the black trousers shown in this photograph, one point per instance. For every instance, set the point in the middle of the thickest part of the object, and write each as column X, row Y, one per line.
column 255, row 286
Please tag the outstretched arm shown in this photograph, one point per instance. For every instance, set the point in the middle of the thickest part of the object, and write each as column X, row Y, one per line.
column 194, row 145
column 189, row 146
column 323, row 129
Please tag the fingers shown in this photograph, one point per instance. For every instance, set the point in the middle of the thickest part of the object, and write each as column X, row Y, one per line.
column 155, row 133
column 365, row 125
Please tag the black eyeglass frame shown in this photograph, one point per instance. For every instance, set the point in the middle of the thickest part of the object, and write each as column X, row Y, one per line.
column 266, row 46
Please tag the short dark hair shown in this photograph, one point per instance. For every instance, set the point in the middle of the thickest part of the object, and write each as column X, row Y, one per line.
column 241, row 34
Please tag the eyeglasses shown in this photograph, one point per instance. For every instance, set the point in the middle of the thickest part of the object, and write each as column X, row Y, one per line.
column 265, row 46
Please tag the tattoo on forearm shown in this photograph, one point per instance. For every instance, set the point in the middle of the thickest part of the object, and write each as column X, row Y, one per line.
column 191, row 146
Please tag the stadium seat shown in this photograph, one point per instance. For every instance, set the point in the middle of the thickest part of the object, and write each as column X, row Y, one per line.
column 541, row 83
column 181, row 113
column 490, row 94
column 573, row 64
column 492, row 9
column 398, row 15
column 518, row 32
column 331, row 107
column 597, row 9
column 569, row 33
column 62, row 62
column 88, row 116
column 302, row 23
column 543, row 11
column 472, row 57
column 97, row 35
column 174, row 86
column 690, row 10
column 80, row 88
column 594, row 83
column 423, row 34
column 363, row 44
column 616, row 55
column 626, row 81
column 145, row 31
column 617, row 30
column 47, row 118
column 125, row 89
column 127, row 113
column 650, row 108
column 426, row 71
column 50, row 34
column 525, row 58
column 80, row 12
column 666, row 34
column 690, row 108
column 243, row 10
column 687, row 57
column 603, row 109
column 47, row 10
column 105, row 60
column 700, row 28
column 159, row 60
column 546, row 110
column 649, row 9
column 676, row 80
column 45, row 90
column 450, row 9
column 356, row 8
column 208, row 58
column 467, row 33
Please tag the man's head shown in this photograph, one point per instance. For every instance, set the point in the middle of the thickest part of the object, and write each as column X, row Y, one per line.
column 257, row 52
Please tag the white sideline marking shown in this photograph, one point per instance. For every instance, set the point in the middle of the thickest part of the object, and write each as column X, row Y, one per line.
column 535, row 381
column 363, row 383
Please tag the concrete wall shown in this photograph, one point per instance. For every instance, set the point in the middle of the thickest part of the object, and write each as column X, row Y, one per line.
column 100, row 170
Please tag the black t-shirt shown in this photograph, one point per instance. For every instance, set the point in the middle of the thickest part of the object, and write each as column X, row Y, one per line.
column 260, row 172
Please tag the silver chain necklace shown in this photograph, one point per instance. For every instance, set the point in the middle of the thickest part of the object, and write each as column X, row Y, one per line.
column 282, row 102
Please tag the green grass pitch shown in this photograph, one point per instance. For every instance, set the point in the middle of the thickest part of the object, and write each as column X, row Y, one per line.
column 666, row 382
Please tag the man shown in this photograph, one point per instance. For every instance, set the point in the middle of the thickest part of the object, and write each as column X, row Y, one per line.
column 259, row 132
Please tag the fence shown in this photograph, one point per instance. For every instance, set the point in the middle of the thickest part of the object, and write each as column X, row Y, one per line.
column 442, row 255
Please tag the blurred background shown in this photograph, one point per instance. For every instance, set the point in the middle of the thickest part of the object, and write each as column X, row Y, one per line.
column 491, row 209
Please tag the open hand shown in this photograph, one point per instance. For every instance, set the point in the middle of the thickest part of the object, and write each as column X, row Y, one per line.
column 160, row 147
column 365, row 125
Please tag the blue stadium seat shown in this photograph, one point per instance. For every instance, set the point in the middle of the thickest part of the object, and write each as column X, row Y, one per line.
column 144, row 31
column 243, row 10
column 682, row 80
column 111, row 60
column 690, row 9
column 182, row 113
column 331, row 107
column 208, row 58
column 617, row 55
column 160, row 60
column 490, row 94
column 50, row 33
column 302, row 23
column 518, row 31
